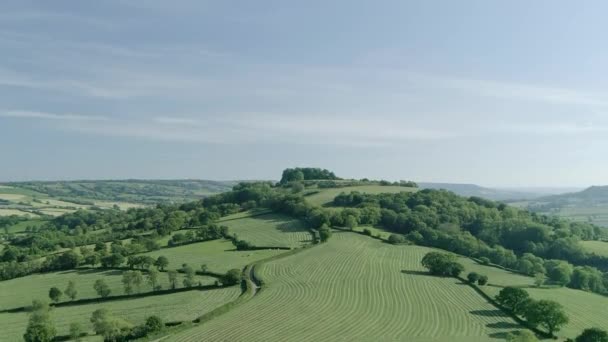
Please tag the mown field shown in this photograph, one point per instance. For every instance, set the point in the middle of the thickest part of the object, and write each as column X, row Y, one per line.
column 218, row 255
column 21, row 291
column 326, row 196
column 183, row 306
column 354, row 288
column 270, row 230
column 584, row 309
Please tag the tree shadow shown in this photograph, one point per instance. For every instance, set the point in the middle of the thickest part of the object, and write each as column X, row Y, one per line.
column 503, row 325
column 411, row 272
column 488, row 313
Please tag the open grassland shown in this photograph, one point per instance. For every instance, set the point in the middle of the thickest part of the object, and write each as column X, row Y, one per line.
column 218, row 255
column 183, row 306
column 354, row 288
column 20, row 292
column 270, row 230
column 9, row 212
column 597, row 247
column 584, row 309
column 326, row 196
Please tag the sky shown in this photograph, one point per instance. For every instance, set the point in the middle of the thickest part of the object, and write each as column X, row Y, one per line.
column 497, row 93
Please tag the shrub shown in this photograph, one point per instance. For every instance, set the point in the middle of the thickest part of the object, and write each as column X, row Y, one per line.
column 473, row 277
column 396, row 239
column 483, row 279
column 367, row 232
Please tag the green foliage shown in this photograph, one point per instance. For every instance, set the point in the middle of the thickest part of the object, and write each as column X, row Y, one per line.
column 172, row 278
column 76, row 331
column 482, row 280
column 592, row 335
column 514, row 299
column 232, row 277
column 131, row 280
column 324, row 233
column 154, row 324
column 546, row 313
column 188, row 276
column 396, row 239
column 110, row 327
column 102, row 289
column 40, row 328
column 472, row 277
column 307, row 173
column 55, row 294
column 522, row 336
column 161, row 262
column 442, row 264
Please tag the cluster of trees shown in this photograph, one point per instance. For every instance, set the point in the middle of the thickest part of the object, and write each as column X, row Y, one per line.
column 442, row 264
column 480, row 279
column 204, row 233
column 547, row 314
column 116, row 329
column 306, row 173
column 55, row 293
column 530, row 243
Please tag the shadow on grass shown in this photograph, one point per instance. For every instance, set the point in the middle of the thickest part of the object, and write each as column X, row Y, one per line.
column 411, row 272
column 489, row 313
column 503, row 325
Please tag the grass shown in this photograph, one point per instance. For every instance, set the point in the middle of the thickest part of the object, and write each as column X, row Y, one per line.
column 20, row 292
column 183, row 306
column 597, row 247
column 354, row 288
column 584, row 309
column 326, row 196
column 272, row 230
column 219, row 255
column 23, row 225
column 9, row 212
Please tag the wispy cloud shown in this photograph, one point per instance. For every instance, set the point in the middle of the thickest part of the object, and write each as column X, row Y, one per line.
column 20, row 114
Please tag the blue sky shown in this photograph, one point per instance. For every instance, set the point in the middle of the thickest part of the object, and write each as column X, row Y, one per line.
column 509, row 93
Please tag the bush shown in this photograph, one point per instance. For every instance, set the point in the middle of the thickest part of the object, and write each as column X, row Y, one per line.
column 473, row 277
column 232, row 277
column 396, row 239
column 442, row 264
column 367, row 232
column 484, row 261
column 483, row 279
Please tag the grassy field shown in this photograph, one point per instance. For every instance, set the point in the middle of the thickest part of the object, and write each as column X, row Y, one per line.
column 326, row 196
column 354, row 288
column 9, row 212
column 183, row 306
column 219, row 255
column 584, row 309
column 270, row 230
column 597, row 247
column 22, row 226
column 21, row 291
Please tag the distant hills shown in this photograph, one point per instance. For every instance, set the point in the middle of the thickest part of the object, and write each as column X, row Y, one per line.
column 591, row 197
column 502, row 194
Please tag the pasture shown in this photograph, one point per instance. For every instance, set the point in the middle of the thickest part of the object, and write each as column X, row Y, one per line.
column 354, row 288
column 326, row 196
column 219, row 255
column 182, row 306
column 20, row 292
column 584, row 309
column 270, row 230
column 22, row 226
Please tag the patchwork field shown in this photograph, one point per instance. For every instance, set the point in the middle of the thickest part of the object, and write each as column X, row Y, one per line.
column 584, row 309
column 326, row 196
column 270, row 230
column 219, row 255
column 21, row 291
column 356, row 288
column 22, row 226
column 183, row 306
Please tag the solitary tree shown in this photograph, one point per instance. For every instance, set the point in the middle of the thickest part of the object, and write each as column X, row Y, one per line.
column 154, row 324
column 483, row 279
column 204, row 268
column 55, row 294
column 71, row 291
column 172, row 278
column 473, row 277
column 514, row 299
column 102, row 289
column 161, row 262
column 152, row 278
column 539, row 279
column 232, row 277
column 40, row 328
column 593, row 335
column 188, row 276
column 546, row 313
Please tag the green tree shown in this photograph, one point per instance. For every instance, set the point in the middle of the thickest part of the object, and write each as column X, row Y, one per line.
column 55, row 294
column 473, row 277
column 514, row 299
column 188, row 276
column 110, row 327
column 71, row 291
column 172, row 279
column 161, row 262
column 324, row 233
column 204, row 268
column 232, row 277
column 152, row 278
column 396, row 239
column 592, row 335
column 539, row 279
column 76, row 331
column 350, row 222
column 546, row 313
column 131, row 279
column 102, row 289
column 154, row 324
column 483, row 279
column 39, row 327
column 442, row 264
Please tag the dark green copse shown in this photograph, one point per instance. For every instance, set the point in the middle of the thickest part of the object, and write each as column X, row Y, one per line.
column 442, row 264
column 306, row 173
